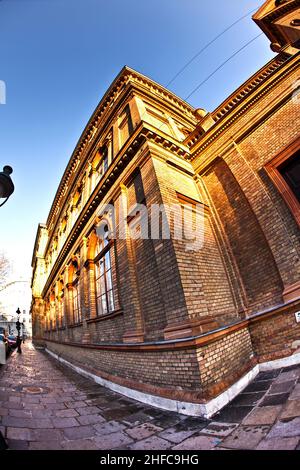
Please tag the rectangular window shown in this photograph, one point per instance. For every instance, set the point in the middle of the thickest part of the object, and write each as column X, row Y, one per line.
column 104, row 286
column 284, row 171
column 290, row 171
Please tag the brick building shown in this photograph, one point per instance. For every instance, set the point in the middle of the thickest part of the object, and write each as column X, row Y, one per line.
column 179, row 327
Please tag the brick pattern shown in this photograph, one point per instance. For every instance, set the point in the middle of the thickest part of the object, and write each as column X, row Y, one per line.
column 222, row 361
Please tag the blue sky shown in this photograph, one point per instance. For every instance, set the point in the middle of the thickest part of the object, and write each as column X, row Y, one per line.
column 57, row 59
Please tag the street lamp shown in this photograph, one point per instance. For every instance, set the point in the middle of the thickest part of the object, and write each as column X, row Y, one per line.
column 18, row 326
column 6, row 184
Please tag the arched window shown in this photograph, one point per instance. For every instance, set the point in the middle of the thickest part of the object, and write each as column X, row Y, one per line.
column 103, row 273
column 61, row 305
column 52, row 311
column 76, row 305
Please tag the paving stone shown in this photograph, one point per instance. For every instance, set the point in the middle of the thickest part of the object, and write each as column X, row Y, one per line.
column 268, row 375
column 90, row 419
column 35, row 406
column 19, row 434
column 137, row 418
column 55, row 406
column 80, row 444
column 295, row 366
column 258, row 386
column 89, row 410
column 30, row 399
column 76, row 404
column 48, row 400
column 245, row 437
column 43, row 423
column 142, row 431
column 14, row 399
column 198, row 443
column 108, row 427
column 67, row 413
column 191, row 424
column 167, row 421
column 246, row 399
column 80, row 432
column 20, row 413
column 289, row 443
column 40, row 414
column 293, row 396
column 64, row 422
column 263, row 415
column 3, row 411
column 11, row 421
column 234, row 414
column 45, row 445
column 14, row 444
column 293, row 374
column 12, row 406
column 174, row 435
column 151, row 443
column 219, row 429
column 290, row 410
column 118, row 414
column 46, row 434
column 282, row 387
column 112, row 441
column 273, row 400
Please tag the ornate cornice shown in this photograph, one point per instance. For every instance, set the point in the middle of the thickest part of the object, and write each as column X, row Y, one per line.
column 126, row 78
column 266, row 19
column 251, row 95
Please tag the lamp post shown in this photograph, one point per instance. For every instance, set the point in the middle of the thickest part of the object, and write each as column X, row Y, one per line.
column 6, row 184
column 18, row 326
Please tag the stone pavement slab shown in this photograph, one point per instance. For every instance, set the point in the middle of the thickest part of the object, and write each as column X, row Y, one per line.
column 112, row 441
column 288, row 429
column 245, row 437
column 175, row 435
column 109, row 427
column 198, row 443
column 219, row 429
column 152, row 443
column 293, row 396
column 289, row 443
column 142, row 431
column 263, row 415
column 290, row 410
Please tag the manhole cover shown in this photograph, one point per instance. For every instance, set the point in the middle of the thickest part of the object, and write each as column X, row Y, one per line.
column 32, row 389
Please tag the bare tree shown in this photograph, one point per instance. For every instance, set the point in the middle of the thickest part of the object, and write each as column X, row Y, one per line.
column 4, row 269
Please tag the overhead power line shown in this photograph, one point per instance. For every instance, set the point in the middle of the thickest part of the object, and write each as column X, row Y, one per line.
column 209, row 44
column 222, row 65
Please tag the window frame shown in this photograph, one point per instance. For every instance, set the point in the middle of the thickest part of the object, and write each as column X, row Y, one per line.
column 76, row 288
column 97, row 259
column 272, row 169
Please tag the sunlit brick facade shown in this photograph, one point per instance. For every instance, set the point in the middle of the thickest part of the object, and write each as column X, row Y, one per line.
column 151, row 315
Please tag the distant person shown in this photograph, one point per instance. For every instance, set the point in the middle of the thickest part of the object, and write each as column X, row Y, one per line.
column 19, row 342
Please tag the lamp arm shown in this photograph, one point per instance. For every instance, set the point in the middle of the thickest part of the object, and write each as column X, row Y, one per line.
column 4, row 202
